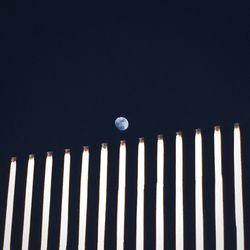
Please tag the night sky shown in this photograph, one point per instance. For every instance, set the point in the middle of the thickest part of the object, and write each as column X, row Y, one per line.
column 68, row 70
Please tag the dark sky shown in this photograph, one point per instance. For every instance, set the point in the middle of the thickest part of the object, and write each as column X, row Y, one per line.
column 68, row 70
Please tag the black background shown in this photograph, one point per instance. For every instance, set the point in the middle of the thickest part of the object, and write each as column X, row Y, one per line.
column 67, row 70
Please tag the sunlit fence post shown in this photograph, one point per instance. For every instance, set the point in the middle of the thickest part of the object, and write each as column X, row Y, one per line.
column 46, row 201
column 239, row 218
column 121, row 197
column 140, row 196
column 219, row 214
column 10, row 204
column 28, row 203
column 102, row 196
column 179, row 223
column 65, row 202
column 199, row 226
column 83, row 199
column 159, row 194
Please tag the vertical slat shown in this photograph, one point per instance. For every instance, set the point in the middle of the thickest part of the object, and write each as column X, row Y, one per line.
column 65, row 202
column 219, row 215
column 28, row 203
column 199, row 223
column 46, row 201
column 102, row 197
column 179, row 223
column 159, row 195
column 140, row 196
column 83, row 199
column 10, row 204
column 121, row 197
column 239, row 218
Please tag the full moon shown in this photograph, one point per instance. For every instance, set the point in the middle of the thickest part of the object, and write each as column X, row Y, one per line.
column 121, row 123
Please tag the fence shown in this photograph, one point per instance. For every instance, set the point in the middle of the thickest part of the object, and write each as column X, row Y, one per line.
column 160, row 220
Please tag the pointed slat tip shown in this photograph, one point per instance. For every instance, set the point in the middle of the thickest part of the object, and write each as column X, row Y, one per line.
column 31, row 156
column 141, row 139
column 49, row 153
column 179, row 133
column 67, row 150
column 198, row 131
column 13, row 158
column 217, row 128
column 236, row 125
column 85, row 148
column 122, row 142
column 160, row 137
column 104, row 145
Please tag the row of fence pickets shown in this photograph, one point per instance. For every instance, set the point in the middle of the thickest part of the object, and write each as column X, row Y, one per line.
column 179, row 233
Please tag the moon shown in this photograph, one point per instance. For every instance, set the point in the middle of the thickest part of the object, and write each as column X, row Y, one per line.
column 121, row 123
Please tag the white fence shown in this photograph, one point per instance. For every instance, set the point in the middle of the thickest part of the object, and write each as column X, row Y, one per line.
column 160, row 222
